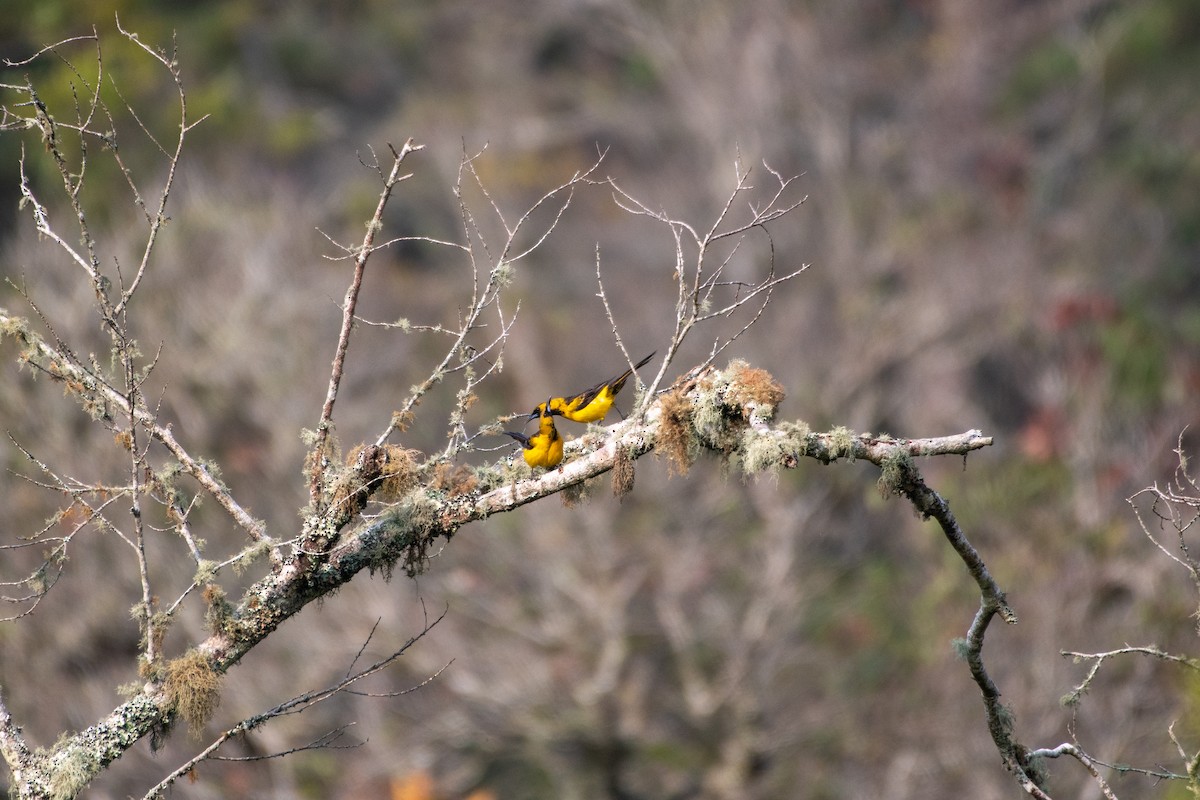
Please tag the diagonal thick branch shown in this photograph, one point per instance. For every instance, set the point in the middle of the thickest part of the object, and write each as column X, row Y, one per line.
column 402, row 534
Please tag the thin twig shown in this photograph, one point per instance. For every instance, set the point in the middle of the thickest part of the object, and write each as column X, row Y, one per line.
column 89, row 389
column 296, row 704
column 316, row 478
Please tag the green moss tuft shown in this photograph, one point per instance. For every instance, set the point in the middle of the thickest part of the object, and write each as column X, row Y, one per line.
column 577, row 493
column 763, row 452
column 410, row 525
column 250, row 555
column 206, row 572
column 961, row 648
column 218, row 611
column 708, row 415
column 1036, row 767
column 841, row 443
column 752, row 388
column 1005, row 717
column 894, row 472
column 503, row 273
column 73, row 769
column 193, row 688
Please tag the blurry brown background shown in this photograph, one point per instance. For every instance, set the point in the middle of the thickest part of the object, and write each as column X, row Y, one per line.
column 1003, row 222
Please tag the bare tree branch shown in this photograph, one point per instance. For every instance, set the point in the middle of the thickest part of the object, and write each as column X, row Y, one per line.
column 695, row 285
column 317, row 471
column 295, row 705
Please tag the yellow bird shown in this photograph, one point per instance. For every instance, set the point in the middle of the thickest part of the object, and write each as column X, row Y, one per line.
column 591, row 405
column 544, row 448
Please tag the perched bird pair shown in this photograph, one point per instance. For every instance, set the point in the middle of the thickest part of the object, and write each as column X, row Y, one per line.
column 545, row 448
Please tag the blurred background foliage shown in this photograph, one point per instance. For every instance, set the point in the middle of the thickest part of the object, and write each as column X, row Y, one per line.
column 1004, row 226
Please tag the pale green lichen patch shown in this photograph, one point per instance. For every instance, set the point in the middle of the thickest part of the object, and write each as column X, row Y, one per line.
column 193, row 688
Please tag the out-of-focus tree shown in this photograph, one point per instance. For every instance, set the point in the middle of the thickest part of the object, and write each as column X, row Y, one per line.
column 1002, row 214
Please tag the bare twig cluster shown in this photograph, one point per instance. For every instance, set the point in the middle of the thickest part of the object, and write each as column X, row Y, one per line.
column 112, row 393
column 706, row 291
column 296, row 705
column 383, row 505
column 327, row 551
column 1173, row 509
